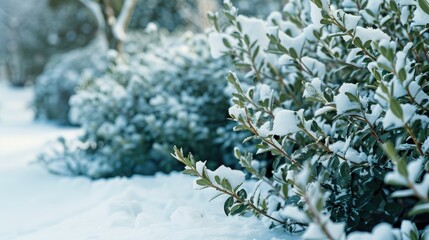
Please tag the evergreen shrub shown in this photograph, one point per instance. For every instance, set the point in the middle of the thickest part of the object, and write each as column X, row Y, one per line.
column 174, row 92
column 337, row 92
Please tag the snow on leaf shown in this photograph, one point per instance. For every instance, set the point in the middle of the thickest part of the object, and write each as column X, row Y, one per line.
column 216, row 41
column 342, row 101
column 316, row 14
column 293, row 212
column 285, row 122
column 370, row 34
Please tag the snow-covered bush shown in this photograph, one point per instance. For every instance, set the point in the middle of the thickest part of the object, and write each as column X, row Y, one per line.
column 173, row 93
column 62, row 74
column 338, row 92
column 65, row 72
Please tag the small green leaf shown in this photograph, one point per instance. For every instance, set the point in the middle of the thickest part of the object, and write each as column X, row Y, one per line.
column 414, row 235
column 393, row 6
column 217, row 179
column 345, row 170
column 229, row 16
column 242, row 194
column 293, row 53
column 402, row 167
column 389, row 149
column 190, row 172
column 358, row 42
column 226, row 184
column 424, row 5
column 246, row 39
column 376, row 74
column 318, row 3
column 385, row 67
column 255, row 53
column 396, row 108
column 419, row 209
column 203, row 182
column 285, row 190
column 402, row 74
column 237, row 209
column 227, row 205
column 384, row 88
column 325, row 21
column 243, row 65
column 226, row 43
column 352, row 98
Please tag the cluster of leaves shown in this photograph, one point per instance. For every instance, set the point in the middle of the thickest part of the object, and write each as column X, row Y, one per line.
column 337, row 93
column 173, row 92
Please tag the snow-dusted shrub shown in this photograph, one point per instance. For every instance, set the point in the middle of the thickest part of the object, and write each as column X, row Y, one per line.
column 59, row 80
column 338, row 92
column 174, row 93
column 65, row 72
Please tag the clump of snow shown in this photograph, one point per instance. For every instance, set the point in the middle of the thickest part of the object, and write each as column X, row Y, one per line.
column 392, row 121
column 374, row 7
column 343, row 102
column 351, row 154
column 217, row 47
column 256, row 29
column 406, row 228
column 376, row 111
column 316, row 67
column 350, row 21
column 275, row 17
column 425, row 146
column 265, row 91
column 293, row 212
column 381, row 231
column 285, row 122
column 405, row 14
column 313, row 89
column 316, row 14
column 370, row 34
column 297, row 42
column 353, row 57
column 234, row 177
column 264, row 130
column 324, row 110
column 416, row 91
column 420, row 16
column 151, row 27
column 314, row 231
column 236, row 112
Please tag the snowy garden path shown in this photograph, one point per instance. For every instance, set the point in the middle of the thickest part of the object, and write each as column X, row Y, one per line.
column 37, row 205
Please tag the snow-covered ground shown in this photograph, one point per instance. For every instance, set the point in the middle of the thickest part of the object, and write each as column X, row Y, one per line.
column 37, row 205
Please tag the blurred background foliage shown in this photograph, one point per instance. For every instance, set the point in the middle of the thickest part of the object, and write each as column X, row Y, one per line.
column 35, row 30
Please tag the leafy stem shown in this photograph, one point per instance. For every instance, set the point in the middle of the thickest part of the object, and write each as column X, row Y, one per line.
column 316, row 217
column 191, row 170
column 413, row 137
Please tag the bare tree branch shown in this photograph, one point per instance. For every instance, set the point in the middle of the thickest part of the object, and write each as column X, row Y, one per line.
column 121, row 25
